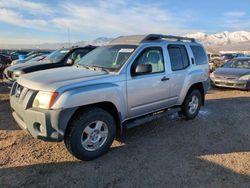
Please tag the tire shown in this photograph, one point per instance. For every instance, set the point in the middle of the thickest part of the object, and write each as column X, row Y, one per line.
column 186, row 109
column 83, row 137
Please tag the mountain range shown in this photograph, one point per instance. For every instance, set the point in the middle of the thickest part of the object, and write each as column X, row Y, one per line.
column 236, row 41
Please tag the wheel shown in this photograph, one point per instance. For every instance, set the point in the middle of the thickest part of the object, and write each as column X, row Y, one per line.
column 90, row 134
column 191, row 104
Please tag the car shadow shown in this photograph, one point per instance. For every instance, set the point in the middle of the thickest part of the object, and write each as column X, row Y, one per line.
column 6, row 120
column 170, row 152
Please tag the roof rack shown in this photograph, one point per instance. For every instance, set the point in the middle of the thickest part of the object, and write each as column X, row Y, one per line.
column 152, row 37
column 137, row 39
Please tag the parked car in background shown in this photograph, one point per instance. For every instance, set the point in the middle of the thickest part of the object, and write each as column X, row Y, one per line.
column 131, row 81
column 59, row 58
column 28, row 58
column 4, row 62
column 215, row 61
column 234, row 74
column 19, row 54
column 230, row 56
column 38, row 58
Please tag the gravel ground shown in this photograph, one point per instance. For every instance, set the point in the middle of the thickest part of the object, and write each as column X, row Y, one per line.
column 212, row 150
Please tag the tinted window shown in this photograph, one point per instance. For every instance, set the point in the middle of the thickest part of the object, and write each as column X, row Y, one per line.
column 152, row 56
column 178, row 57
column 199, row 55
column 78, row 54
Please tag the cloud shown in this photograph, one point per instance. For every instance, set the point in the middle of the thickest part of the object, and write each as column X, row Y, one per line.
column 237, row 24
column 25, row 5
column 98, row 18
column 235, row 20
column 110, row 18
column 15, row 18
column 235, row 14
column 119, row 17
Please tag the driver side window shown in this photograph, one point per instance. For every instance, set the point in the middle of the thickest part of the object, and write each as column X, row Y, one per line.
column 152, row 56
column 78, row 54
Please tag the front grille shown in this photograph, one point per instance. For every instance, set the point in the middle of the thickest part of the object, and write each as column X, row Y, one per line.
column 22, row 95
column 226, row 77
column 18, row 90
column 229, row 84
column 230, row 78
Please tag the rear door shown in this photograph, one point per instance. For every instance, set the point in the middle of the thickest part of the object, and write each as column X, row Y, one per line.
column 180, row 62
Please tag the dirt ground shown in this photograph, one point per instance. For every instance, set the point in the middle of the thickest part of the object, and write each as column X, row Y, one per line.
column 212, row 150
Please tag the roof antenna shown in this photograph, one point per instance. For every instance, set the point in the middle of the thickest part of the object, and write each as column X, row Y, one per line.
column 69, row 36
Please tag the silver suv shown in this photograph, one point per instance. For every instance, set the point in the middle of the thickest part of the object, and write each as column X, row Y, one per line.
column 133, row 80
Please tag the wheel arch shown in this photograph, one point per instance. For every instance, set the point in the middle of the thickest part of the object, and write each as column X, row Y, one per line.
column 107, row 106
column 199, row 86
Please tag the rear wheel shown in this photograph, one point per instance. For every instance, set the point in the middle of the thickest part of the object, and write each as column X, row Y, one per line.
column 191, row 105
column 90, row 134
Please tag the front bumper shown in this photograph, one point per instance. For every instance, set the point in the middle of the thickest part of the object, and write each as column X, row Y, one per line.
column 237, row 84
column 48, row 125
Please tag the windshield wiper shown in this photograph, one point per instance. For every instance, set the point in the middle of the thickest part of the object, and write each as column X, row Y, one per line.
column 97, row 68
column 84, row 66
column 93, row 67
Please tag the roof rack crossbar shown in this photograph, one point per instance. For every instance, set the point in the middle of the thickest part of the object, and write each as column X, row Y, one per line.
column 152, row 37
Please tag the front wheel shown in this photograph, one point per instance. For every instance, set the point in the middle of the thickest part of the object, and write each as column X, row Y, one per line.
column 90, row 134
column 191, row 105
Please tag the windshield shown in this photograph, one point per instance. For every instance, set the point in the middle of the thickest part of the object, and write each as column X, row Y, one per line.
column 110, row 57
column 228, row 56
column 56, row 56
column 240, row 64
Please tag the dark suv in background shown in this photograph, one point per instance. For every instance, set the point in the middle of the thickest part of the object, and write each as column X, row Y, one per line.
column 58, row 58
column 4, row 62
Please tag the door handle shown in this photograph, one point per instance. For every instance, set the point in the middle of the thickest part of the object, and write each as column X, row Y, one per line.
column 165, row 79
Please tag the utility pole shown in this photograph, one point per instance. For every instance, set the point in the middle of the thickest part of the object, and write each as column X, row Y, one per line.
column 69, row 36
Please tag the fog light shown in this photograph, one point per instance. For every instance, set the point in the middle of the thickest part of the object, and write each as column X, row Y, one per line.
column 39, row 127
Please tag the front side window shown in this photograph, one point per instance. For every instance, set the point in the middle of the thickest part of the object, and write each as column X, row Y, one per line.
column 200, row 55
column 111, row 57
column 152, row 56
column 178, row 57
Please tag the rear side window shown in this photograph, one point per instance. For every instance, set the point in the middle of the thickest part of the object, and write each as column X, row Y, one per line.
column 178, row 57
column 199, row 55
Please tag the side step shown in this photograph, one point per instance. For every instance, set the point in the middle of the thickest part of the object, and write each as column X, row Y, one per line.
column 151, row 117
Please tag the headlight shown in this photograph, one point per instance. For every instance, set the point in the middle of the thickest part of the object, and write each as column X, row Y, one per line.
column 14, row 62
column 44, row 99
column 212, row 75
column 17, row 74
column 245, row 77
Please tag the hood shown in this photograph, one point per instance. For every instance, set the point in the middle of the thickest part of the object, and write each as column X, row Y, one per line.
column 23, row 66
column 54, row 79
column 231, row 72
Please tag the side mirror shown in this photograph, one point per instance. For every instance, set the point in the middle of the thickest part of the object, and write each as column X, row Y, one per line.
column 143, row 68
column 70, row 61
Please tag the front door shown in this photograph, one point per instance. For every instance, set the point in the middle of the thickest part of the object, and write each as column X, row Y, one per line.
column 147, row 92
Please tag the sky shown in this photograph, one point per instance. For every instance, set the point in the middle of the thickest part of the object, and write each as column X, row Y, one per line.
column 35, row 22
